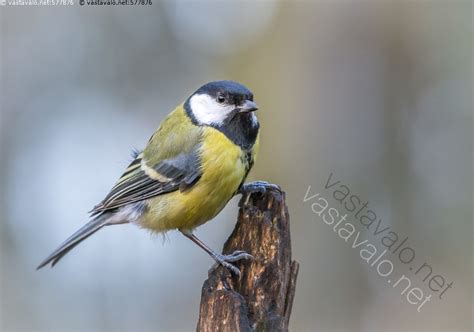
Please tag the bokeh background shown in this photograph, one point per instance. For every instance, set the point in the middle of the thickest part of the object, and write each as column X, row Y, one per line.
column 377, row 92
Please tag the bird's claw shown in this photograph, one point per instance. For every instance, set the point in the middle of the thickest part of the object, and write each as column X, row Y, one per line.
column 236, row 256
column 232, row 268
column 259, row 187
column 226, row 260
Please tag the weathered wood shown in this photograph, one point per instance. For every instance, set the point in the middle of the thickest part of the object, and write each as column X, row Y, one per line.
column 262, row 298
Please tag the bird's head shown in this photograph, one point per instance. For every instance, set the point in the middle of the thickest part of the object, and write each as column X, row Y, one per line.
column 218, row 103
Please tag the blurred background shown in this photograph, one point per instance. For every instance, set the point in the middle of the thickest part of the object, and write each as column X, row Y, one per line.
column 377, row 92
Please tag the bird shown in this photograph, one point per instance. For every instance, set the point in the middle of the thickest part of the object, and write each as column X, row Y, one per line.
column 193, row 164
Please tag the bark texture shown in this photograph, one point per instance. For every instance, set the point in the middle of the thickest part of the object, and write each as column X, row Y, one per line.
column 262, row 297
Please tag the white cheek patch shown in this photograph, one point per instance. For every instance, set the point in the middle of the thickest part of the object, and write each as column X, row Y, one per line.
column 208, row 111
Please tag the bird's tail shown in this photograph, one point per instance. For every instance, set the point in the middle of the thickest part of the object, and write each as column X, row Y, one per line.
column 83, row 233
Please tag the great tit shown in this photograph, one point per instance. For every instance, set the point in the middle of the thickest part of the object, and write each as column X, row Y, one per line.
column 195, row 162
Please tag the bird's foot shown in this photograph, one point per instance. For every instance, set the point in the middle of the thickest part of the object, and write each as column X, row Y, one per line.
column 226, row 260
column 259, row 187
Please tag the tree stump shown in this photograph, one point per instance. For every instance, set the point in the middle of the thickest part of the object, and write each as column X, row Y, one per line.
column 262, row 297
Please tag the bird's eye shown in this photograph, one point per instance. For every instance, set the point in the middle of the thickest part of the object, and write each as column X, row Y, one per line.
column 220, row 98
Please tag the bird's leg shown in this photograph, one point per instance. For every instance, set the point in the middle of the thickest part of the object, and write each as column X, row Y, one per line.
column 223, row 260
column 257, row 186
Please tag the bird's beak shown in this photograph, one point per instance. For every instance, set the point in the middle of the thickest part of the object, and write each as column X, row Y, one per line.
column 248, row 106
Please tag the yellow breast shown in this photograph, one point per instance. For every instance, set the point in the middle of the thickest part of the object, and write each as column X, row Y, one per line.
column 223, row 169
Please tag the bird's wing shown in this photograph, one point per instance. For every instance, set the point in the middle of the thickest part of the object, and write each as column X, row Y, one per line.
column 170, row 162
